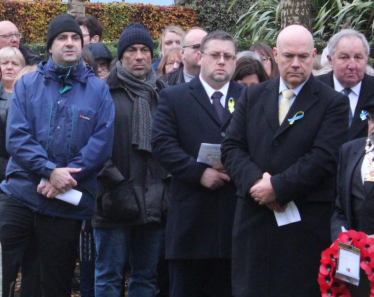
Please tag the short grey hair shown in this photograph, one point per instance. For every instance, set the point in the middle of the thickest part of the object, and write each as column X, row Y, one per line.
column 249, row 54
column 10, row 52
column 346, row 33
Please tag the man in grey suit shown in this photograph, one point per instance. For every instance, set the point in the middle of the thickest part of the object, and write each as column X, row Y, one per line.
column 348, row 53
column 276, row 158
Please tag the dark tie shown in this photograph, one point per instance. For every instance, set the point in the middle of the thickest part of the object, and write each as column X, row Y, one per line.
column 216, row 97
column 346, row 92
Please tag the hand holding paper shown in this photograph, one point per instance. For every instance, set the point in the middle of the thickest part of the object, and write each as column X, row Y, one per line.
column 72, row 196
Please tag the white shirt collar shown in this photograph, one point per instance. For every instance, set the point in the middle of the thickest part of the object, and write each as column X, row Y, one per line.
column 339, row 88
column 209, row 90
column 283, row 86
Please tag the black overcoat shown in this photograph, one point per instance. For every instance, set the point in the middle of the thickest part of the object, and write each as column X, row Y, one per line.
column 199, row 221
column 358, row 127
column 272, row 261
column 351, row 154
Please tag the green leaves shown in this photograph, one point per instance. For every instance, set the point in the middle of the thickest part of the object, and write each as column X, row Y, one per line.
column 261, row 22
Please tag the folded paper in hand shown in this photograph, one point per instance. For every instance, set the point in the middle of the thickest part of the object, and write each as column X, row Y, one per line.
column 72, row 196
column 210, row 154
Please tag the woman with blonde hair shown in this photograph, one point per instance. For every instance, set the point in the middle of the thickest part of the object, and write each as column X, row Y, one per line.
column 170, row 38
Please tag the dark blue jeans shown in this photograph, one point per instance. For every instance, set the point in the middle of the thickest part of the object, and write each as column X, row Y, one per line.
column 142, row 245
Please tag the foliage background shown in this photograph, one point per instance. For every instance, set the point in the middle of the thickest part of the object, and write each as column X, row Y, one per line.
column 215, row 14
column 32, row 18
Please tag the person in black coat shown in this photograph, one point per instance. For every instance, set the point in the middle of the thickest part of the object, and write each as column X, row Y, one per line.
column 275, row 161
column 354, row 206
column 202, row 201
column 348, row 55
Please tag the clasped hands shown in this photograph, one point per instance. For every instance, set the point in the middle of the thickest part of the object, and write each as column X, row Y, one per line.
column 60, row 181
column 262, row 192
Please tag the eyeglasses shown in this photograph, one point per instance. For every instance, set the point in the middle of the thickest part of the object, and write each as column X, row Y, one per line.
column 9, row 36
column 217, row 56
column 103, row 66
column 86, row 35
column 194, row 46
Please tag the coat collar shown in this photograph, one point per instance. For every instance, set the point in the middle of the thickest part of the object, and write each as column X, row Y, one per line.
column 78, row 72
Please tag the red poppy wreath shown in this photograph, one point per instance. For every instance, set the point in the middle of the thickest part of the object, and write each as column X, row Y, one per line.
column 330, row 286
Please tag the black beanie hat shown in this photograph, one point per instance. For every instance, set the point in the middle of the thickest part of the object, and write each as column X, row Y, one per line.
column 63, row 23
column 134, row 33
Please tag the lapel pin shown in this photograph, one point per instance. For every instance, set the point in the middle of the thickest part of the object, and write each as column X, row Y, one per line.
column 231, row 105
column 363, row 115
column 299, row 115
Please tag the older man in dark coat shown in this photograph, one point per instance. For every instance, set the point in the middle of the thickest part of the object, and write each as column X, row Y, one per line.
column 202, row 203
column 348, row 55
column 283, row 148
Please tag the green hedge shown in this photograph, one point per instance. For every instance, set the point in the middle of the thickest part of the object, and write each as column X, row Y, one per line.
column 32, row 18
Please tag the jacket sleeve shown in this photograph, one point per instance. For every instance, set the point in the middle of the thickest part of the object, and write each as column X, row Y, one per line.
column 99, row 147
column 320, row 163
column 339, row 217
column 20, row 143
column 165, row 144
column 235, row 152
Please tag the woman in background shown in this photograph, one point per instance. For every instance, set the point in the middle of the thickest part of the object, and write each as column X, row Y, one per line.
column 169, row 62
column 171, row 37
column 267, row 56
column 249, row 72
column 11, row 63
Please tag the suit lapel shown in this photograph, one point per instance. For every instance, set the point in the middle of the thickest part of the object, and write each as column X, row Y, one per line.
column 357, row 154
column 269, row 99
column 357, row 124
column 303, row 102
column 198, row 92
column 234, row 94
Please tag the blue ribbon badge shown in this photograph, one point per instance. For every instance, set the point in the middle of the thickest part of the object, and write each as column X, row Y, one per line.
column 299, row 115
column 231, row 105
column 363, row 115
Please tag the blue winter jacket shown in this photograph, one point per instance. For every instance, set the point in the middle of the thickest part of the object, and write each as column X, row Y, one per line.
column 49, row 126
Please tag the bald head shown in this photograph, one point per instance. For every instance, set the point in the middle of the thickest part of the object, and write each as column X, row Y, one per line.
column 8, row 34
column 295, row 33
column 295, row 54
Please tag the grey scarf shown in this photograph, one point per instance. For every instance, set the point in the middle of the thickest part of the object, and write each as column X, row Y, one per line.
column 141, row 92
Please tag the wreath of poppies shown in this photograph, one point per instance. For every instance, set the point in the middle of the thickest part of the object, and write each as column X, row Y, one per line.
column 333, row 287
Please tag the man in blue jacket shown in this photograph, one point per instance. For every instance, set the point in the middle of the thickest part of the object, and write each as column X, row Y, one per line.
column 59, row 134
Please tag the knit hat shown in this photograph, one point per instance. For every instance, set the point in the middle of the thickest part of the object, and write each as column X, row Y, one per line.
column 99, row 51
column 63, row 23
column 134, row 33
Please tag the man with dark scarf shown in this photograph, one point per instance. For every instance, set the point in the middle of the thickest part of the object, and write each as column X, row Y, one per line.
column 130, row 211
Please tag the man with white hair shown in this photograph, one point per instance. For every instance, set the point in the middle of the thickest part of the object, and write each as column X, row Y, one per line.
column 348, row 53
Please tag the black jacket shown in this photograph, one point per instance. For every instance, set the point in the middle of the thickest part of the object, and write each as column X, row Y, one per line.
column 30, row 57
column 200, row 220
column 358, row 127
column 174, row 78
column 150, row 180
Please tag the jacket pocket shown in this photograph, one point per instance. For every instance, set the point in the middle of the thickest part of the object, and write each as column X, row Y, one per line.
column 119, row 204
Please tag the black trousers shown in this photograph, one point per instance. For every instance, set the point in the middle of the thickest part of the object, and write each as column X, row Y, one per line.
column 200, row 278
column 51, row 241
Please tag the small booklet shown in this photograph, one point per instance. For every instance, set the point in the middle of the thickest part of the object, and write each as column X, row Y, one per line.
column 290, row 215
column 210, row 154
column 72, row 196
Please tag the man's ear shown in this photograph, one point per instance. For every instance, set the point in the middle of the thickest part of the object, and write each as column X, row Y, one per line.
column 329, row 59
column 95, row 39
